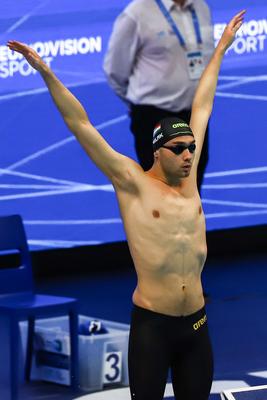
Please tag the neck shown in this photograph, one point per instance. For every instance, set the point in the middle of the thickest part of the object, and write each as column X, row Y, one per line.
column 156, row 172
column 179, row 2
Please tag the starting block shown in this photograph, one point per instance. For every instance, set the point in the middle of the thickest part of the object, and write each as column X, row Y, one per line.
column 248, row 393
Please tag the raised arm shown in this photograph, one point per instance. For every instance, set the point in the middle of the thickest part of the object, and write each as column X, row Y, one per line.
column 204, row 96
column 117, row 167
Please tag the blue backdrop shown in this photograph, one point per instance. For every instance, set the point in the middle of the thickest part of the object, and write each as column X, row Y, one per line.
column 45, row 175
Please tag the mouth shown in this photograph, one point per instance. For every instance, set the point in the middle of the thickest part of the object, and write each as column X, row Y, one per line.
column 186, row 169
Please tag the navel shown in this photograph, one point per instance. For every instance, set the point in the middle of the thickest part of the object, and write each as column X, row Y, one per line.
column 155, row 213
column 183, row 287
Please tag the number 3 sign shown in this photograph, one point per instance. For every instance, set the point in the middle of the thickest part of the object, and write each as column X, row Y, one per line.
column 112, row 367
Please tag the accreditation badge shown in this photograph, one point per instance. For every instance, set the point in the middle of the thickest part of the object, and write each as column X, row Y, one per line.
column 195, row 64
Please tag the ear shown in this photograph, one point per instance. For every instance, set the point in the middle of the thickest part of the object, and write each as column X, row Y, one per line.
column 156, row 154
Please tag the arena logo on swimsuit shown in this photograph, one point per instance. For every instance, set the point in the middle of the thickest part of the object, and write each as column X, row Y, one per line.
column 199, row 323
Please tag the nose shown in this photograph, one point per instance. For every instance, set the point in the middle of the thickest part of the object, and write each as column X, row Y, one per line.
column 187, row 155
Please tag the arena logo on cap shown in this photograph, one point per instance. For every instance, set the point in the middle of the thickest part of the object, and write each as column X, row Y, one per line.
column 180, row 125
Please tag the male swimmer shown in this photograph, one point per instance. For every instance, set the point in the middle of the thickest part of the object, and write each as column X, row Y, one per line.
column 165, row 227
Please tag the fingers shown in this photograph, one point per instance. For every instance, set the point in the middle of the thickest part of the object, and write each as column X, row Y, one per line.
column 13, row 43
column 30, row 54
column 16, row 45
column 237, row 21
column 238, row 26
column 241, row 13
column 238, row 18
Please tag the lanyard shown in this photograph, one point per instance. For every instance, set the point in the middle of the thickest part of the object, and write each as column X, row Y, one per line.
column 174, row 27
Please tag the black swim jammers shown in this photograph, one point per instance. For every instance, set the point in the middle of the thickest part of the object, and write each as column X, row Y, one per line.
column 159, row 342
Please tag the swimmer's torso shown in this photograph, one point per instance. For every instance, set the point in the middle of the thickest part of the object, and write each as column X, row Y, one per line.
column 166, row 236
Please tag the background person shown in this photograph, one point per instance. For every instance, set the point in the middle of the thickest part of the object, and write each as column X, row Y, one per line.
column 156, row 54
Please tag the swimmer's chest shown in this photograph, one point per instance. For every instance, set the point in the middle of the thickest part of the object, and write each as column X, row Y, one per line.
column 171, row 210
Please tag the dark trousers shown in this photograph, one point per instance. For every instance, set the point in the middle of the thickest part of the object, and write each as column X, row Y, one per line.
column 143, row 121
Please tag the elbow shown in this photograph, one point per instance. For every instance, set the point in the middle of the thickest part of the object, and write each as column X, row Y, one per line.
column 75, row 126
column 71, row 124
column 118, row 85
column 116, row 80
column 203, row 108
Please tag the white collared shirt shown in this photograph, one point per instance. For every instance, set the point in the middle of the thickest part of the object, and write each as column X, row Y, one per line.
column 145, row 62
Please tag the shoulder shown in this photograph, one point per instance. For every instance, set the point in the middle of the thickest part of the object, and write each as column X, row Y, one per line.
column 137, row 9
column 203, row 8
column 130, row 177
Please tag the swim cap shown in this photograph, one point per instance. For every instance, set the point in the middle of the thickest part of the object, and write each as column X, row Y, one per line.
column 169, row 128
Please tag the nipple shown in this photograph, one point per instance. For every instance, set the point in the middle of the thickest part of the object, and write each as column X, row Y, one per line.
column 155, row 213
column 200, row 210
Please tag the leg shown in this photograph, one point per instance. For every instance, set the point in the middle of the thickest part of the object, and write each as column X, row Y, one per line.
column 192, row 373
column 14, row 357
column 148, row 356
column 28, row 362
column 74, row 358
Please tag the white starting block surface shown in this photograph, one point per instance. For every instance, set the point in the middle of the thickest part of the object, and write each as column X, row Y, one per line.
column 124, row 393
column 251, row 393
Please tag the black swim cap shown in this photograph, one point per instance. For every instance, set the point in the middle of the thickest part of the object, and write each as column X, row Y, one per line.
column 169, row 128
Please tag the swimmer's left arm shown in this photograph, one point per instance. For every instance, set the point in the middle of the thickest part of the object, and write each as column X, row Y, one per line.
column 204, row 96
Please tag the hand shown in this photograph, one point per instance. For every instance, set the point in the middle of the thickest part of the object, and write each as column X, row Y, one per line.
column 230, row 31
column 31, row 56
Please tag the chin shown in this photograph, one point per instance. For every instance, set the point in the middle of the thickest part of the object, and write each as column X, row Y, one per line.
column 186, row 174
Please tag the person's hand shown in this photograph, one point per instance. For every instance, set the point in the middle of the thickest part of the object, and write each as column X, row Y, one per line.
column 230, row 31
column 31, row 56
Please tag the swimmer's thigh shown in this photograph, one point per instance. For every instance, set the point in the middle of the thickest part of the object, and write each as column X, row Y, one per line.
column 148, row 360
column 192, row 373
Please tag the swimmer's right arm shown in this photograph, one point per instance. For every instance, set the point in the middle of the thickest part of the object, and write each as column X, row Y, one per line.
column 119, row 168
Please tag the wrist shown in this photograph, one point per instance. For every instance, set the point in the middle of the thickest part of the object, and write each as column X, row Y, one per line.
column 220, row 50
column 44, row 70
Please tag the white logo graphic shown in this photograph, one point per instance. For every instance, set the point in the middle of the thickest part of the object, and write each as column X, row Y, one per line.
column 157, row 138
column 12, row 63
column 250, row 38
